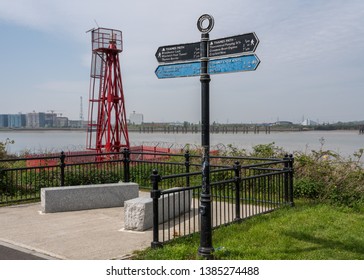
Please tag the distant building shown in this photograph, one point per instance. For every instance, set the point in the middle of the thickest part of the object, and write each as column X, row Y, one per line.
column 77, row 123
column 176, row 123
column 61, row 122
column 136, row 118
column 4, row 120
column 39, row 120
column 16, row 120
column 308, row 122
column 50, row 120
column 35, row 120
column 283, row 123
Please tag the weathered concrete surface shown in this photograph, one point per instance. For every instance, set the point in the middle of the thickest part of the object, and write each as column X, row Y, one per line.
column 73, row 198
column 138, row 212
column 76, row 235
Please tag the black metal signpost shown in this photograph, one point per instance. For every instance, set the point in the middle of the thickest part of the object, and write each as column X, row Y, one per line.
column 205, row 248
column 228, row 48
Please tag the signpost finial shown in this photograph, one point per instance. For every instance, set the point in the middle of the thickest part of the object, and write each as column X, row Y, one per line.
column 200, row 23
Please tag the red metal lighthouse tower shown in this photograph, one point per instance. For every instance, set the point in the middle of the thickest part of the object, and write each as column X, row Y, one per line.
column 107, row 126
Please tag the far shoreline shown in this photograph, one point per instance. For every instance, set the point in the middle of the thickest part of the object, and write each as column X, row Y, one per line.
column 156, row 130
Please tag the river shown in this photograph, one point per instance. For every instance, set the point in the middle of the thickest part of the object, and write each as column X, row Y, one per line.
column 343, row 142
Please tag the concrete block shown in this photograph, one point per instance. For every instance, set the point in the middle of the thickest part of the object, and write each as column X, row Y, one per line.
column 138, row 212
column 73, row 198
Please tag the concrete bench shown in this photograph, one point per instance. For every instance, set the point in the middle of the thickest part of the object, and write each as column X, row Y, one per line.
column 138, row 212
column 73, row 198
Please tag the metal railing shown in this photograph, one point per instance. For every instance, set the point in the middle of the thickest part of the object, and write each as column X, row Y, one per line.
column 238, row 192
column 22, row 178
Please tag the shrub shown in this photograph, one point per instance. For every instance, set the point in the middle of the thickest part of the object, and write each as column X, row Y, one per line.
column 267, row 151
column 326, row 176
column 306, row 188
column 322, row 175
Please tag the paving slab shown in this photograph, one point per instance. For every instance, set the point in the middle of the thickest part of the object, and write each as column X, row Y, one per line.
column 96, row 234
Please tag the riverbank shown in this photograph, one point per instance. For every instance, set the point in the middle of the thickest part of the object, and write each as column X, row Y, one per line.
column 214, row 129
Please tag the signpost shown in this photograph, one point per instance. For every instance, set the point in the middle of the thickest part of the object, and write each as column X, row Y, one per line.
column 234, row 64
column 230, row 54
column 174, row 53
column 246, row 43
column 178, row 70
column 240, row 44
column 216, row 66
column 205, row 248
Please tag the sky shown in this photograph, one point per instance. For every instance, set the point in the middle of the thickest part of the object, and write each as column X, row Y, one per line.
column 311, row 53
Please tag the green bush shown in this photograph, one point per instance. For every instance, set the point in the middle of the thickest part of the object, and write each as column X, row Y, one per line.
column 267, row 151
column 326, row 176
column 322, row 175
column 306, row 188
column 84, row 175
column 3, row 152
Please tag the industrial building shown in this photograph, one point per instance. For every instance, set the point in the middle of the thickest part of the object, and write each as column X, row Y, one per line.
column 136, row 118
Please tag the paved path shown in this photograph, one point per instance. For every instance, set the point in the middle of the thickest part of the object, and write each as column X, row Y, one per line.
column 78, row 235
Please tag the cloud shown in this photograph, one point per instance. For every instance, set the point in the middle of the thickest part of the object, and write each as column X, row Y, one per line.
column 38, row 14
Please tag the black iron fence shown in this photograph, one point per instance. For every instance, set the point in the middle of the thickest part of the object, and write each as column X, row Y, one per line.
column 237, row 191
column 22, row 178
column 240, row 186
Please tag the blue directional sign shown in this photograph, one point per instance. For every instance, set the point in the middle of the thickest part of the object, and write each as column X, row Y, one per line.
column 178, row 70
column 216, row 66
column 234, row 64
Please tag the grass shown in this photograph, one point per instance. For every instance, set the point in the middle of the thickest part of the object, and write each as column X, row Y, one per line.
column 305, row 232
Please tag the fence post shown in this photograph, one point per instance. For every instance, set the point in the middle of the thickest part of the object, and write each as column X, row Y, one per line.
column 2, row 181
column 126, row 161
column 291, row 161
column 237, row 170
column 286, row 178
column 187, row 165
column 62, row 166
column 155, row 195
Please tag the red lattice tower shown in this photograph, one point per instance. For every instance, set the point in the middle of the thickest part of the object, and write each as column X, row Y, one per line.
column 107, row 127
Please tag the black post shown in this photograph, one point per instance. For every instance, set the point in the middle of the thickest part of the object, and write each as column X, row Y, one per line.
column 187, row 165
column 237, row 170
column 3, row 182
column 126, row 160
column 62, row 166
column 286, row 179
column 205, row 248
column 155, row 195
column 291, row 161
